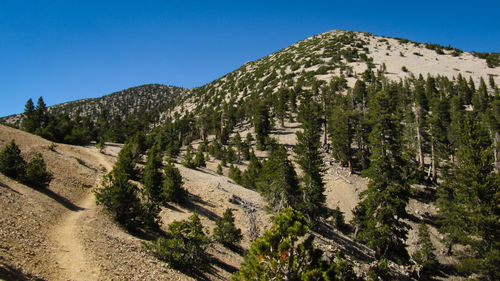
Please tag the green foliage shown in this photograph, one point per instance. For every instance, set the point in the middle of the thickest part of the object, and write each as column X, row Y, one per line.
column 469, row 203
column 234, row 174
column 152, row 178
column 36, row 173
column 225, row 232
column 379, row 215
column 172, row 189
column 199, row 159
column 248, row 179
column 262, row 125
column 184, row 246
column 424, row 255
column 219, row 169
column 188, row 158
column 12, row 163
column 121, row 199
column 277, row 181
column 278, row 254
column 309, row 158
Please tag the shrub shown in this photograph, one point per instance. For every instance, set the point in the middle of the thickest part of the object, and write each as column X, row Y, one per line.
column 225, row 232
column 11, row 162
column 219, row 169
column 404, row 69
column 184, row 247
column 36, row 173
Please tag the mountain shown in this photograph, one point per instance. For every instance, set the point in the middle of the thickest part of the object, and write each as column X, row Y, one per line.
column 346, row 54
column 134, row 101
column 333, row 73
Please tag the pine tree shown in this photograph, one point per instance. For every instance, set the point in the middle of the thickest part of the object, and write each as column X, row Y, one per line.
column 122, row 199
column 341, row 133
column 262, row 125
column 424, row 255
column 184, row 246
column 469, row 203
column 277, row 181
column 152, row 178
column 199, row 159
column 379, row 214
column 172, row 189
column 219, row 169
column 36, row 172
column 278, row 254
column 29, row 121
column 188, row 158
column 252, row 172
column 12, row 163
column 225, row 232
column 234, row 174
column 309, row 159
column 41, row 116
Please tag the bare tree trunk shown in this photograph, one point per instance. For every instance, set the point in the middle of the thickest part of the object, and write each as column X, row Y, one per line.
column 433, row 162
column 325, row 133
column 496, row 136
column 420, row 151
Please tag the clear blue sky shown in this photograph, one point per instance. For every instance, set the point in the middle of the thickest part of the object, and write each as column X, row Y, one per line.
column 67, row 50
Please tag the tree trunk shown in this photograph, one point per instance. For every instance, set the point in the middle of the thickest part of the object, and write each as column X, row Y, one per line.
column 420, row 150
column 325, row 134
column 433, row 162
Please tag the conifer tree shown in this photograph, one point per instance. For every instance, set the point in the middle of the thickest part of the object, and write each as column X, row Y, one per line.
column 152, row 178
column 309, row 159
column 252, row 172
column 277, row 181
column 379, row 215
column 424, row 255
column 469, row 203
column 225, row 232
column 262, row 125
column 12, row 163
column 341, row 133
column 36, row 172
column 278, row 254
column 29, row 121
column 199, row 159
column 172, row 190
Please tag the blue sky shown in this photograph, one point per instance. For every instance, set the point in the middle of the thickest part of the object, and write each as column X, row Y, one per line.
column 67, row 50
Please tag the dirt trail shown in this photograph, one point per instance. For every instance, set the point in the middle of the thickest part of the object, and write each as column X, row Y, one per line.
column 74, row 262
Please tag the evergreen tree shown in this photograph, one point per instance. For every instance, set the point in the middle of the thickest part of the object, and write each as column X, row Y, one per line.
column 219, row 169
column 424, row 255
column 262, row 125
column 199, row 159
column 277, row 181
column 36, row 172
column 152, row 178
column 309, row 159
column 234, row 174
column 172, row 189
column 184, row 246
column 379, row 214
column 252, row 172
column 278, row 254
column 225, row 232
column 341, row 133
column 122, row 199
column 29, row 121
column 469, row 203
column 188, row 158
column 12, row 163
column 41, row 116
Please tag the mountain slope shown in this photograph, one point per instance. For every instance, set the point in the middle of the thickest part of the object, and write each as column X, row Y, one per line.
column 345, row 54
column 134, row 101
